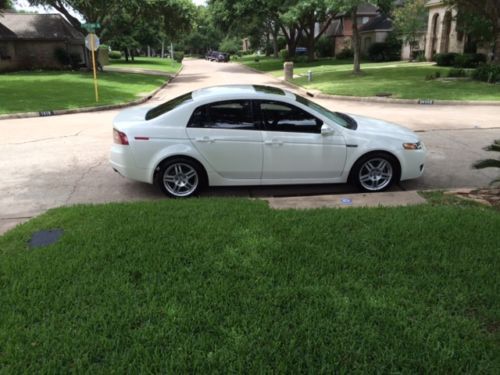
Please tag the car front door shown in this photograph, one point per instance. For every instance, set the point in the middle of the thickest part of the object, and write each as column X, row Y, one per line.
column 294, row 148
column 227, row 135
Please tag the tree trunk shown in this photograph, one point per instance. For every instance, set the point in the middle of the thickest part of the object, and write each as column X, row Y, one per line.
column 496, row 46
column 162, row 49
column 310, row 46
column 268, row 39
column 274, row 32
column 356, row 42
column 59, row 6
column 126, row 54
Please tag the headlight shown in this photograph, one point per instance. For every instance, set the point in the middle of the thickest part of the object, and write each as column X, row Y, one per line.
column 412, row 146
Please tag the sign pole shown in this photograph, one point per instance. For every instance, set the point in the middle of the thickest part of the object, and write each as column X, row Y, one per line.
column 93, row 67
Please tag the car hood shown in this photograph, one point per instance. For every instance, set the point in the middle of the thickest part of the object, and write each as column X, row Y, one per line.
column 130, row 116
column 373, row 126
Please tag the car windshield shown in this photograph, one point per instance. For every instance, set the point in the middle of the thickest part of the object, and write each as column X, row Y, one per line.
column 168, row 106
column 339, row 118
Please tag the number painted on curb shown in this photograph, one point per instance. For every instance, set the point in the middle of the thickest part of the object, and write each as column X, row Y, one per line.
column 46, row 113
column 426, row 101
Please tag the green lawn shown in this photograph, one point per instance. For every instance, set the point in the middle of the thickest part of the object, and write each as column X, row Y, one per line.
column 44, row 91
column 402, row 79
column 150, row 63
column 230, row 286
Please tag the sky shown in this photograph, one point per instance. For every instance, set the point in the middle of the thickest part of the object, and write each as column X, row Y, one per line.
column 24, row 5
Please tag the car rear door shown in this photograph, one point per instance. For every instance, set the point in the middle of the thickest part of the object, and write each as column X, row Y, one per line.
column 294, row 147
column 229, row 138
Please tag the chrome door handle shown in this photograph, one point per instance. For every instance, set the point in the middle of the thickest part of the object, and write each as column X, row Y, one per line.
column 205, row 140
column 274, row 142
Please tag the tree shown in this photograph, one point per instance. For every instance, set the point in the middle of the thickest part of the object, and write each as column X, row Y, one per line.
column 306, row 14
column 5, row 4
column 410, row 20
column 488, row 10
column 350, row 7
column 129, row 23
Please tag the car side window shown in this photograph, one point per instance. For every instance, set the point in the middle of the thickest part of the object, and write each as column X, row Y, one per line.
column 283, row 117
column 234, row 114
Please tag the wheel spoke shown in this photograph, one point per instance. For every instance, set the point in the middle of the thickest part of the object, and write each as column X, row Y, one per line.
column 382, row 165
column 191, row 173
column 178, row 169
column 365, row 177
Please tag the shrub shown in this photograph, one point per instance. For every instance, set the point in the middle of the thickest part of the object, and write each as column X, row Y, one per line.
column 256, row 59
column 345, row 54
column 76, row 60
column 457, row 72
column 445, row 59
column 230, row 45
column 469, row 60
column 284, row 55
column 281, row 43
column 62, row 56
column 487, row 73
column 115, row 55
column 178, row 56
column 389, row 50
column 324, row 47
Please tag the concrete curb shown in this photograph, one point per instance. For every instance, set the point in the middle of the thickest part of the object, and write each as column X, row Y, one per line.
column 385, row 199
column 371, row 99
column 108, row 107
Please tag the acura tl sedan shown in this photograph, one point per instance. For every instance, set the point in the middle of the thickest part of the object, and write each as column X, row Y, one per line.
column 259, row 135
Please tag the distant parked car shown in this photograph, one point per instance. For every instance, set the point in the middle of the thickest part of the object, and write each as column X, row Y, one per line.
column 259, row 135
column 217, row 56
column 222, row 57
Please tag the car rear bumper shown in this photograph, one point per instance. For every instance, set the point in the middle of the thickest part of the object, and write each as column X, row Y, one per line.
column 122, row 162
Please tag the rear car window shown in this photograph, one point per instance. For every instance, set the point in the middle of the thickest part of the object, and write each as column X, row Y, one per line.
column 168, row 106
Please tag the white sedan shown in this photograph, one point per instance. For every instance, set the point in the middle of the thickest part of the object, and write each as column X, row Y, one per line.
column 259, row 135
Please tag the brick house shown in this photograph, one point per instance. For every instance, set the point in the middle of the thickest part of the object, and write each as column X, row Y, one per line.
column 442, row 33
column 29, row 41
column 340, row 29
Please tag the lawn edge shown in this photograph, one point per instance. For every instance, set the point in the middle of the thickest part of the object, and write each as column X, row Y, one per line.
column 107, row 107
column 371, row 99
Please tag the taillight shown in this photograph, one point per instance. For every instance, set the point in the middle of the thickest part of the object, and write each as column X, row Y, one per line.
column 120, row 137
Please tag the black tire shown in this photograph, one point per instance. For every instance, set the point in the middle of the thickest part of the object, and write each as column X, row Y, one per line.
column 375, row 172
column 180, row 177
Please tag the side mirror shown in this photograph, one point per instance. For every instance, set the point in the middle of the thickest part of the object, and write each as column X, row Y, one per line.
column 326, row 130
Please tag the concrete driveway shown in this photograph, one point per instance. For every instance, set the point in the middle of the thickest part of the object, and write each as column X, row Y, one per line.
column 63, row 160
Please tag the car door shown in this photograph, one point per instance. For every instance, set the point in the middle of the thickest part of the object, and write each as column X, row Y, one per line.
column 228, row 136
column 294, row 147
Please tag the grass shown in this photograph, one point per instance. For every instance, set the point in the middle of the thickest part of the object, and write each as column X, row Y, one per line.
column 149, row 63
column 228, row 285
column 403, row 80
column 45, row 91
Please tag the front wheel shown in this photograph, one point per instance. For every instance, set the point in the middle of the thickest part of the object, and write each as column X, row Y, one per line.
column 376, row 172
column 180, row 178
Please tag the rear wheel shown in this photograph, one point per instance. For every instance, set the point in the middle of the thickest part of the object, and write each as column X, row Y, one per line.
column 375, row 172
column 180, row 178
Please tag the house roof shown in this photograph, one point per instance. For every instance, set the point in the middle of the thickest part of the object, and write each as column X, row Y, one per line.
column 363, row 10
column 22, row 26
column 377, row 23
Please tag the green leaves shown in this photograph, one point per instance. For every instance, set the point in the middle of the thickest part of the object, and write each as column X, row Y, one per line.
column 490, row 163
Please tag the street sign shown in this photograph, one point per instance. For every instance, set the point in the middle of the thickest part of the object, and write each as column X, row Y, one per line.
column 91, row 26
column 92, row 42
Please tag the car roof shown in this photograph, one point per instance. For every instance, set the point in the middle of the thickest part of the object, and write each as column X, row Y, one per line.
column 252, row 91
